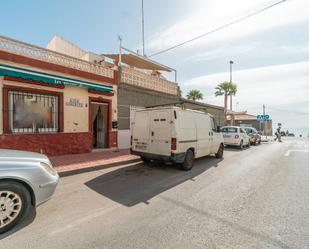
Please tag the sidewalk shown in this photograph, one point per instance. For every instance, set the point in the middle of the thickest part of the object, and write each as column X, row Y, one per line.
column 267, row 138
column 79, row 163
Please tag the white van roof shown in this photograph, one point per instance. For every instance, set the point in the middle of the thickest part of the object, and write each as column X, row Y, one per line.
column 174, row 108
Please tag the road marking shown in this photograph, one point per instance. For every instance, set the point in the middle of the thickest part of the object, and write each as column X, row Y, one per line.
column 289, row 152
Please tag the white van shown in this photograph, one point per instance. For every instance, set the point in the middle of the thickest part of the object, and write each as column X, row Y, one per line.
column 175, row 135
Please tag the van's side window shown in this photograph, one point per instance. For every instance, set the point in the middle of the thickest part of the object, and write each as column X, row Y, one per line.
column 213, row 124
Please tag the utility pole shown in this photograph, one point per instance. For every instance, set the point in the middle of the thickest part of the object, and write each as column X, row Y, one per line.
column 231, row 101
column 120, row 50
column 143, row 28
column 119, row 58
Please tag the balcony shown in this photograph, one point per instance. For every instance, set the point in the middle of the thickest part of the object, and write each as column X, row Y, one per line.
column 17, row 47
column 145, row 80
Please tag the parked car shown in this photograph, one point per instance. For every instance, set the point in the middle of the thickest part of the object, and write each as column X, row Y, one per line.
column 255, row 137
column 26, row 178
column 291, row 135
column 235, row 136
column 172, row 134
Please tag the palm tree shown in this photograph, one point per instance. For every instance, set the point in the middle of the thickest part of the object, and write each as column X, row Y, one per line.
column 227, row 89
column 195, row 95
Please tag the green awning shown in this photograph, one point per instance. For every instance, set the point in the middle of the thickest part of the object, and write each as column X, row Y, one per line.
column 6, row 70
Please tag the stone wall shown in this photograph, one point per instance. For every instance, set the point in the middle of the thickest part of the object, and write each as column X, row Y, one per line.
column 216, row 112
column 49, row 143
column 129, row 95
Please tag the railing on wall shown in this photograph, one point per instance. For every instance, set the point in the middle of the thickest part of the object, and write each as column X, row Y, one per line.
column 141, row 79
column 39, row 53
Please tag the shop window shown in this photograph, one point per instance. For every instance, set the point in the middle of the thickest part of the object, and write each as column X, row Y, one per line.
column 32, row 112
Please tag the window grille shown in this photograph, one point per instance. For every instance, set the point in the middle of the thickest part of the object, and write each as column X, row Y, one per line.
column 32, row 112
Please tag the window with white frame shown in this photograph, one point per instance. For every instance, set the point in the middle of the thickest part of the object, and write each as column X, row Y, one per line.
column 32, row 112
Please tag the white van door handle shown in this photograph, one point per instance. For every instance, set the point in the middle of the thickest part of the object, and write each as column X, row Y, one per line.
column 152, row 133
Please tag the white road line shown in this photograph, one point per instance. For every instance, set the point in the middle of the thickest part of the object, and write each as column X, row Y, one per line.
column 289, row 152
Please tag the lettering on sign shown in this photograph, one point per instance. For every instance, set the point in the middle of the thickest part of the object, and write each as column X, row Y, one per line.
column 263, row 117
column 74, row 103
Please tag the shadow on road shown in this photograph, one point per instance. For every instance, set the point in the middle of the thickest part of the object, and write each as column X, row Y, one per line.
column 139, row 183
column 27, row 221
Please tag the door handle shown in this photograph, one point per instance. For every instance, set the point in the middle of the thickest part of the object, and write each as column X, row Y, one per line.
column 152, row 133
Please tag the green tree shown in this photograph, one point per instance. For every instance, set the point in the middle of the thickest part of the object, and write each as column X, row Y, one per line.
column 226, row 89
column 195, row 95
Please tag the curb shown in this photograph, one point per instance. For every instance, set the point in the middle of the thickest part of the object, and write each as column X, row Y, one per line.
column 97, row 167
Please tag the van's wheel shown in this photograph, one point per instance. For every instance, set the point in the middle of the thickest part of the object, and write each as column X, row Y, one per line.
column 15, row 202
column 219, row 154
column 189, row 160
column 145, row 160
column 241, row 145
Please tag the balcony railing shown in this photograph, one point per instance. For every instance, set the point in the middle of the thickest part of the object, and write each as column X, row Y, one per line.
column 141, row 79
column 39, row 53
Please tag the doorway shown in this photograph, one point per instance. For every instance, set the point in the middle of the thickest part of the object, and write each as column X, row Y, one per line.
column 99, row 116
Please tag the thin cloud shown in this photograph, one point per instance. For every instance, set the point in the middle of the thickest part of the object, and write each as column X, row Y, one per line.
column 280, row 86
column 211, row 14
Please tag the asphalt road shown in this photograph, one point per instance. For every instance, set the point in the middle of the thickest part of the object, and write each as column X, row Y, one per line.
column 256, row 198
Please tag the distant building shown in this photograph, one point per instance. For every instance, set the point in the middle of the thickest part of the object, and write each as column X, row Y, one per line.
column 243, row 119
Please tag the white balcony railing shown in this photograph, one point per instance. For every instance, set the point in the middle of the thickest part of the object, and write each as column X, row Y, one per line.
column 39, row 53
column 141, row 79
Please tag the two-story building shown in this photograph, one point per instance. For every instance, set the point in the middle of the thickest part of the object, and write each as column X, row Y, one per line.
column 55, row 103
column 63, row 100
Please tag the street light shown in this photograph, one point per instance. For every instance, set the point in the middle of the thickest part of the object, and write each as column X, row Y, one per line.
column 231, row 101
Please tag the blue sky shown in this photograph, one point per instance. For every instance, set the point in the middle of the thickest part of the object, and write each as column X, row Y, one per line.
column 271, row 51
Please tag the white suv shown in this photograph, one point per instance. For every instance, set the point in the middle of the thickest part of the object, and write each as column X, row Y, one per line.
column 235, row 136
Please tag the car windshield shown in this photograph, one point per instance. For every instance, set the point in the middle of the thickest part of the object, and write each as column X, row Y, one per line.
column 248, row 130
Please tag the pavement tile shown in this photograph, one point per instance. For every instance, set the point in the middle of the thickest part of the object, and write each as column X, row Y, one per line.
column 77, row 162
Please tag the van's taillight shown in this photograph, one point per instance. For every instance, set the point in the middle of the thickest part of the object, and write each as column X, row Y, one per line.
column 173, row 143
column 236, row 136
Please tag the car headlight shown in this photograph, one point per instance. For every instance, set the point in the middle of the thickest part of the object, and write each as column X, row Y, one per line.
column 48, row 168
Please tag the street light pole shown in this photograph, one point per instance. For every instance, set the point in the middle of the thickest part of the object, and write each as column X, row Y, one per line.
column 231, row 101
column 143, row 28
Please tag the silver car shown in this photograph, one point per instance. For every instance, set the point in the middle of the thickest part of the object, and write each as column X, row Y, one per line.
column 26, row 178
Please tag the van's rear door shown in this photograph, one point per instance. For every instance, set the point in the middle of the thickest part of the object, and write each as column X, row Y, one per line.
column 160, row 132
column 141, row 131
